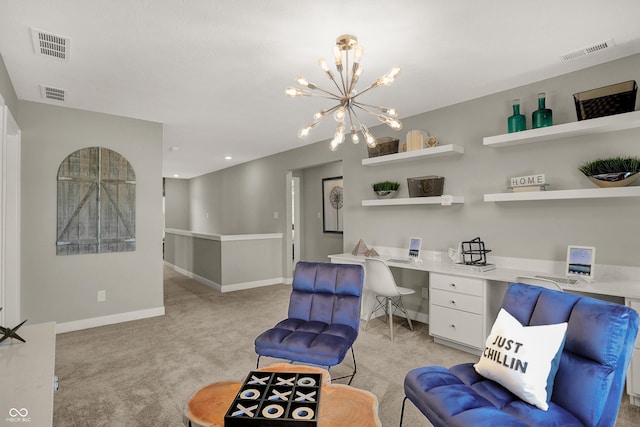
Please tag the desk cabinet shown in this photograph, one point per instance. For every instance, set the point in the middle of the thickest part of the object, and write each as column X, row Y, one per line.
column 457, row 311
column 633, row 374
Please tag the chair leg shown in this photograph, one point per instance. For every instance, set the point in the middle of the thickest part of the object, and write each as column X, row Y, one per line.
column 355, row 369
column 258, row 362
column 390, row 317
column 402, row 411
column 406, row 314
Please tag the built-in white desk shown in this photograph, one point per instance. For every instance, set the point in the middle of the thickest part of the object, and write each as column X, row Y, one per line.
column 463, row 304
column 27, row 376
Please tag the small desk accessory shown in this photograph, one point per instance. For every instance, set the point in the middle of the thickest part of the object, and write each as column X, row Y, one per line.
column 11, row 332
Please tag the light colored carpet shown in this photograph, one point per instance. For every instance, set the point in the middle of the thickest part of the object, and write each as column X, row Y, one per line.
column 141, row 373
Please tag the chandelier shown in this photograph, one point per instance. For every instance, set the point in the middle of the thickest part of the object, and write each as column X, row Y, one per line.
column 345, row 94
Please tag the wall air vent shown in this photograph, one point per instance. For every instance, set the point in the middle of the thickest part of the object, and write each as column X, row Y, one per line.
column 52, row 45
column 53, row 93
column 588, row 50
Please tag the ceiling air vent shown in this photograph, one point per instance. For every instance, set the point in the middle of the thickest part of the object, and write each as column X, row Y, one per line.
column 588, row 50
column 52, row 93
column 48, row 44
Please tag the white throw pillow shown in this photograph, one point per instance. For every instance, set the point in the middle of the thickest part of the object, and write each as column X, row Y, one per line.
column 523, row 359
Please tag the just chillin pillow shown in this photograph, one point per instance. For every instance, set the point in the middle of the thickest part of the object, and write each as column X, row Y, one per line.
column 523, row 359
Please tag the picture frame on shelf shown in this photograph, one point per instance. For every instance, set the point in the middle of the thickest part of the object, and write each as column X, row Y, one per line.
column 332, row 205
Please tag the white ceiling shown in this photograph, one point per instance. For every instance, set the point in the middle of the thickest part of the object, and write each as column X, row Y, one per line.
column 214, row 71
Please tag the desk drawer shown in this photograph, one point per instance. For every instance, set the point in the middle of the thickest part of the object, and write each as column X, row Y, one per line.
column 470, row 303
column 456, row 325
column 464, row 285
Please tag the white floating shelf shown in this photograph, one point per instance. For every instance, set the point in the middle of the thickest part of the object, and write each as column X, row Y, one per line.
column 437, row 151
column 589, row 193
column 412, row 201
column 585, row 127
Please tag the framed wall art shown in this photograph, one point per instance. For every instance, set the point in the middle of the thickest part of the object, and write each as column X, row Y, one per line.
column 332, row 202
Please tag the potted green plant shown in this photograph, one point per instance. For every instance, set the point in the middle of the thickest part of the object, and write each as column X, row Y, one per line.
column 612, row 172
column 386, row 189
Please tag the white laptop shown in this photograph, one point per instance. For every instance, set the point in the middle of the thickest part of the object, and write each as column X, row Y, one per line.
column 580, row 265
column 415, row 245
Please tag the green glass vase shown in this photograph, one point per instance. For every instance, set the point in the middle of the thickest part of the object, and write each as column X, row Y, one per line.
column 518, row 121
column 542, row 116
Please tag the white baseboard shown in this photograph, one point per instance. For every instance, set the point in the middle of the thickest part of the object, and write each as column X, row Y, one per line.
column 227, row 288
column 94, row 322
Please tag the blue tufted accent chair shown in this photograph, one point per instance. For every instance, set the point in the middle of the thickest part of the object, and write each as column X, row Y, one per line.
column 323, row 319
column 588, row 385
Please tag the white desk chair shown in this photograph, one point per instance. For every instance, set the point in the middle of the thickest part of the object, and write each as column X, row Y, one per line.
column 379, row 281
column 537, row 281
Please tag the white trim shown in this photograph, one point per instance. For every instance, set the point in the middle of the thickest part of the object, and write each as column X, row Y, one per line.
column 231, row 287
column 224, row 237
column 254, row 284
column 200, row 279
column 94, row 322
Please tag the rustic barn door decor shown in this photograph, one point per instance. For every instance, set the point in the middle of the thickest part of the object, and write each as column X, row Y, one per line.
column 96, row 203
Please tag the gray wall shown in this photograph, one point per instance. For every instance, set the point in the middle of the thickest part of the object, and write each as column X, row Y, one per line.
column 63, row 288
column 7, row 91
column 539, row 230
column 317, row 245
column 176, row 204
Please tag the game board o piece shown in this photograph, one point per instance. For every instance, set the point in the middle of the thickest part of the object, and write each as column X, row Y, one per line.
column 272, row 411
column 250, row 394
column 306, row 382
column 303, row 413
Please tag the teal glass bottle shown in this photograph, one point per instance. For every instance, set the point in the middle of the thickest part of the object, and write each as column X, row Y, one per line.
column 542, row 116
column 518, row 121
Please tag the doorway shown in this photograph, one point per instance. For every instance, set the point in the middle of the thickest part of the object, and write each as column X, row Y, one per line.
column 10, row 136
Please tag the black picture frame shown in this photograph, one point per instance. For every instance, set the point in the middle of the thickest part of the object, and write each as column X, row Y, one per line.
column 332, row 205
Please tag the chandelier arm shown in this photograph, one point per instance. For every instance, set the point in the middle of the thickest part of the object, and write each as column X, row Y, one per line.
column 332, row 96
column 344, row 86
column 327, row 92
column 360, row 106
column 373, row 85
column 333, row 79
column 377, row 107
column 353, row 79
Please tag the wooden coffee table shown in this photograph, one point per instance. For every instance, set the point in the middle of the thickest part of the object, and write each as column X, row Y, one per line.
column 340, row 405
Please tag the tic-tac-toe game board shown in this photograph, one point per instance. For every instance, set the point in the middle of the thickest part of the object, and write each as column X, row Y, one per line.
column 273, row 399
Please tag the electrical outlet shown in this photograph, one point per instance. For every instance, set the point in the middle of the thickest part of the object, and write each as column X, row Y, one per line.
column 275, row 215
column 102, row 296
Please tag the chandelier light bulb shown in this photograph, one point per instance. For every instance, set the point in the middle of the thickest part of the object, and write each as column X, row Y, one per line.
column 304, row 132
column 337, row 57
column 354, row 135
column 292, row 92
column 323, row 64
column 357, row 53
column 339, row 114
column 390, row 111
column 302, row 81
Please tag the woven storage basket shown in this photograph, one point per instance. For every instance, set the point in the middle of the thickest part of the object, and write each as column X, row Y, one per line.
column 425, row 186
column 606, row 101
column 385, row 145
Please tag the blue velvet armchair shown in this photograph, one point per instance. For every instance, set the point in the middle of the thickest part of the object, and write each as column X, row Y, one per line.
column 323, row 319
column 588, row 385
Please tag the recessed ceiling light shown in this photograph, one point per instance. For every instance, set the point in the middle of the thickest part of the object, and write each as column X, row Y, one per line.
column 175, row 175
column 228, row 157
column 174, row 148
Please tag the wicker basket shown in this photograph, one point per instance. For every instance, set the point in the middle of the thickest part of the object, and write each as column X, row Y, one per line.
column 606, row 101
column 425, row 186
column 385, row 145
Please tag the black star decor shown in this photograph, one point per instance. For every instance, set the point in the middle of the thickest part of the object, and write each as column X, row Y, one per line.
column 11, row 332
